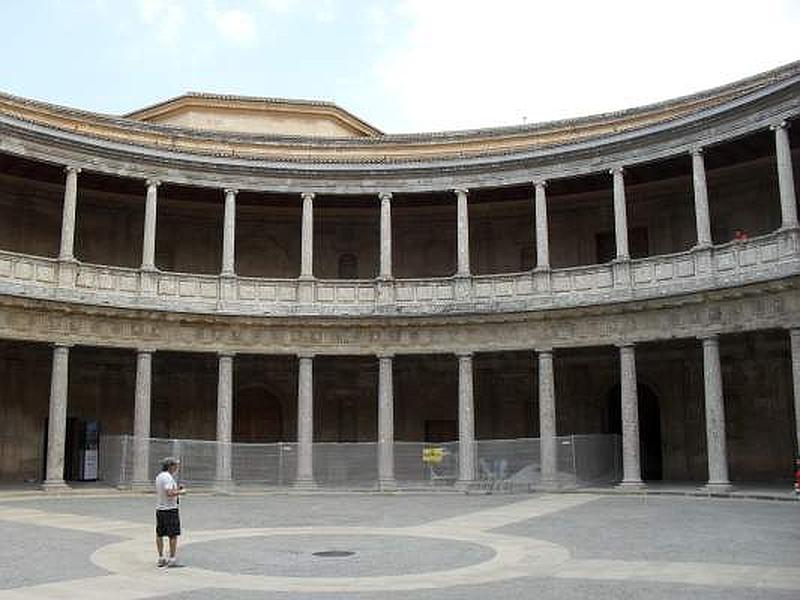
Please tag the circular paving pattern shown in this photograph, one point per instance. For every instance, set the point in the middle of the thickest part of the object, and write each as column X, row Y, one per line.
column 372, row 555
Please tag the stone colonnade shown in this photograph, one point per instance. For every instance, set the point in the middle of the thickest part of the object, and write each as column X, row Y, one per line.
column 718, row 479
column 788, row 201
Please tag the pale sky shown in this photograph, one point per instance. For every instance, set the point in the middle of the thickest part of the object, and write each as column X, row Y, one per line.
column 403, row 65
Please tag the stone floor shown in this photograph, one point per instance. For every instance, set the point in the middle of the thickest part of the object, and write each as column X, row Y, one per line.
column 91, row 543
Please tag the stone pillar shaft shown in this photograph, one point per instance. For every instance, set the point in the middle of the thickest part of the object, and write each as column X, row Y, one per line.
column 386, row 236
column 305, row 422
column 307, row 241
column 542, row 231
column 795, row 340
column 229, row 234
column 548, row 449
column 66, row 251
column 57, row 422
column 631, row 463
column 385, row 422
column 715, row 415
column 149, row 238
column 224, row 417
column 141, row 417
column 466, row 421
column 463, row 233
column 701, row 212
column 783, row 154
column 620, row 215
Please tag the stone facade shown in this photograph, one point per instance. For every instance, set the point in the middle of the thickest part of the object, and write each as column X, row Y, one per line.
column 639, row 278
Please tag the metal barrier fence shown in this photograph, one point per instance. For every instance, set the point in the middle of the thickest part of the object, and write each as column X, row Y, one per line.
column 581, row 460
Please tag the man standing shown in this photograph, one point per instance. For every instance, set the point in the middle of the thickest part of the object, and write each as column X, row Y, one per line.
column 168, row 521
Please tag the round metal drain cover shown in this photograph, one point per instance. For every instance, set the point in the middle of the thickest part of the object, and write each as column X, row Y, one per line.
column 333, row 553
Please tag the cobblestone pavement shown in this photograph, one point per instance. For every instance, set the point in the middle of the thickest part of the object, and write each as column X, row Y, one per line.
column 403, row 547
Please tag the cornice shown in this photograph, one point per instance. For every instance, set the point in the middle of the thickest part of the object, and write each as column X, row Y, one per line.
column 408, row 150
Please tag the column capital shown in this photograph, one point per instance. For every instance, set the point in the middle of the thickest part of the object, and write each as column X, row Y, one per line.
column 72, row 169
column 226, row 354
column 231, row 191
column 460, row 191
column 624, row 345
column 307, row 195
column 62, row 345
column 385, row 355
column 152, row 182
column 385, row 196
column 617, row 169
column 696, row 151
column 539, row 183
column 794, row 332
column 464, row 355
column 302, row 355
column 709, row 338
column 543, row 350
column 146, row 350
column 779, row 125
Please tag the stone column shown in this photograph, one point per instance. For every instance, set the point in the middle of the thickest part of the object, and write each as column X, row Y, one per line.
column 463, row 233
column 57, row 422
column 631, row 463
column 149, row 240
column 548, row 449
column 305, row 423
column 386, row 480
column 701, row 213
column 224, row 421
column 229, row 234
column 542, row 231
column 783, row 154
column 794, row 334
column 307, row 243
column 715, row 417
column 141, row 420
column 466, row 422
column 386, row 235
column 620, row 214
column 66, row 251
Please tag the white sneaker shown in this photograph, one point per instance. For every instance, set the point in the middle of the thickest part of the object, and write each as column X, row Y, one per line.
column 173, row 562
column 162, row 562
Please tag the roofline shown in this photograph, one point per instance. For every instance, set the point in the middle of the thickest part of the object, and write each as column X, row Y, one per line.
column 163, row 105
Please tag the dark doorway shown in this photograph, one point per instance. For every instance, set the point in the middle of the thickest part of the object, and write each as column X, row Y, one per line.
column 258, row 416
column 441, row 430
column 649, row 428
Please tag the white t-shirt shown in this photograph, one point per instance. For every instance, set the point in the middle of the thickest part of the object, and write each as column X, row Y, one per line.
column 165, row 481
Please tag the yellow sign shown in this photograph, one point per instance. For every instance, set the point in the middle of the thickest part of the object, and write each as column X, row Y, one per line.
column 432, row 455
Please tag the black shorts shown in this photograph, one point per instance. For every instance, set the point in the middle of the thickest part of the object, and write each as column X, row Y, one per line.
column 168, row 523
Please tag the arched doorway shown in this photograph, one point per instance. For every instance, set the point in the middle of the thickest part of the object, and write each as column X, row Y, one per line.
column 257, row 416
column 649, row 428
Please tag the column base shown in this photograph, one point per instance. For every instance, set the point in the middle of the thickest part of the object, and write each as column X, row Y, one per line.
column 141, row 486
column 546, row 485
column 465, row 485
column 387, row 485
column 224, row 486
column 631, row 485
column 55, row 485
column 305, row 485
column 717, row 487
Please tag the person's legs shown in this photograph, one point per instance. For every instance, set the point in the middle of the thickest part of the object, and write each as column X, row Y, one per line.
column 173, row 546
column 160, row 545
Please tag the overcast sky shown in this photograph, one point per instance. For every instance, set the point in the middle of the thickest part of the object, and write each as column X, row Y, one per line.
column 403, row 66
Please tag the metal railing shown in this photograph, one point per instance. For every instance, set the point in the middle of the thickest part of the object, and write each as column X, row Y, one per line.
column 513, row 464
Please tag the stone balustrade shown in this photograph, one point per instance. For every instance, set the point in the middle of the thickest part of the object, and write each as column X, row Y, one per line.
column 772, row 256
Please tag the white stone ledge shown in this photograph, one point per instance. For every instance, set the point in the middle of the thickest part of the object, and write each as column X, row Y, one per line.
column 772, row 256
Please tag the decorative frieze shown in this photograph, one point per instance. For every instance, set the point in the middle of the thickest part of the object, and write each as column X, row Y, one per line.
column 765, row 306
